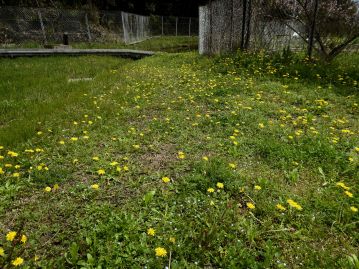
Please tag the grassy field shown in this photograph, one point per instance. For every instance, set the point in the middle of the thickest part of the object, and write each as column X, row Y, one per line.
column 178, row 160
column 160, row 43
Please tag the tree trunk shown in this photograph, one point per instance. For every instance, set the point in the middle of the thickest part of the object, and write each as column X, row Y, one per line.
column 244, row 12
column 248, row 24
column 312, row 29
column 338, row 49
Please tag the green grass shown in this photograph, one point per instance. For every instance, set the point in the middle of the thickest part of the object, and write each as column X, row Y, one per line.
column 165, row 43
column 266, row 127
column 159, row 43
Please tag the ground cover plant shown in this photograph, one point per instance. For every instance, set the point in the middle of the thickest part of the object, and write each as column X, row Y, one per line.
column 157, row 43
column 178, row 160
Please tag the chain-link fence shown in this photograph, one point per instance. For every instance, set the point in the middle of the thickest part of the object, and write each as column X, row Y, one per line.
column 275, row 25
column 46, row 25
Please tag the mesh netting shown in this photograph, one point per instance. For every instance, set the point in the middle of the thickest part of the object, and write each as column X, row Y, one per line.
column 46, row 25
column 18, row 24
column 56, row 22
column 135, row 27
column 226, row 25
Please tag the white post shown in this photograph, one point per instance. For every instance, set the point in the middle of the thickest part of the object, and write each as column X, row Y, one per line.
column 88, row 27
column 42, row 26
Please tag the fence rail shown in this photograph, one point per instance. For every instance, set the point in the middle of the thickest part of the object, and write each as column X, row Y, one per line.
column 46, row 25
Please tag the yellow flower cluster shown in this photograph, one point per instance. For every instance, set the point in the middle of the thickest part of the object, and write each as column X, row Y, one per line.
column 166, row 179
column 280, row 207
column 181, row 155
column 160, row 252
column 151, row 231
column 294, row 204
column 18, row 261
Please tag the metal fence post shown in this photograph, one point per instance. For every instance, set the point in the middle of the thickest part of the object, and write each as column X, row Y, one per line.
column 42, row 26
column 176, row 26
column 88, row 27
column 189, row 27
column 162, row 24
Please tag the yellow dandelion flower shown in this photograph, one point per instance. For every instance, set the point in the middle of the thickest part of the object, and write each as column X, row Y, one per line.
column 205, row 158
column 2, row 252
column 18, row 261
column 251, row 205
column 136, row 146
column 23, row 239
column 151, row 231
column 220, row 185
column 10, row 236
column 1, row 171
column 16, row 174
column 210, row 190
column 95, row 186
column 113, row 163
column 166, row 179
column 257, row 187
column 160, row 252
column 95, row 158
column 118, row 169
column 47, row 189
column 12, row 154
column 261, row 125
column 232, row 165
column 294, row 204
column 349, row 194
column 354, row 209
column 280, row 207
column 342, row 185
column 101, row 172
column 74, row 138
column 125, row 168
column 181, row 155
column 62, row 142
